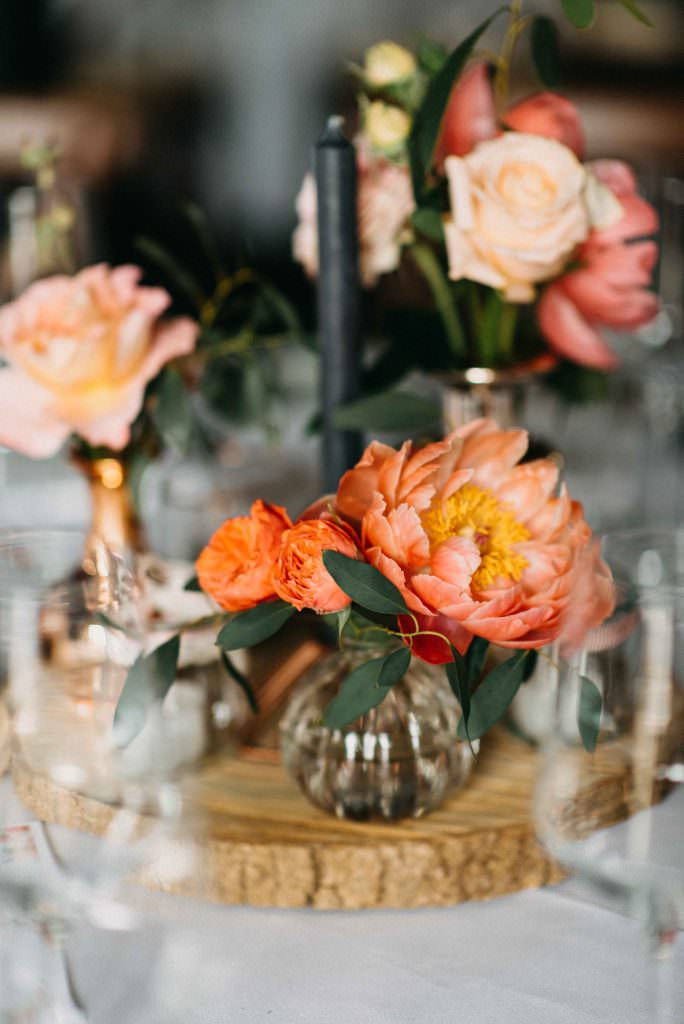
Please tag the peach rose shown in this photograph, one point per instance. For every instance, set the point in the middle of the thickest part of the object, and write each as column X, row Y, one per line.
column 385, row 204
column 519, row 208
column 236, row 567
column 611, row 287
column 477, row 544
column 80, row 352
column 300, row 578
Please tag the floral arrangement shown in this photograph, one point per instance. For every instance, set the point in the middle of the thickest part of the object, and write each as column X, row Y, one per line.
column 93, row 356
column 439, row 551
column 525, row 247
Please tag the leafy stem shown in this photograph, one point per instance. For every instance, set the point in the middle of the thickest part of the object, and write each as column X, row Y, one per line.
column 428, row 264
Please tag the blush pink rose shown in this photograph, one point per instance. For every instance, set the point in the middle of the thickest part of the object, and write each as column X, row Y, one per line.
column 80, row 351
column 611, row 287
column 470, row 117
column 385, row 204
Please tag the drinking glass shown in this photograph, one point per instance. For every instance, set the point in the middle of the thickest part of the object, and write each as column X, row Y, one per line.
column 71, row 630
column 609, row 802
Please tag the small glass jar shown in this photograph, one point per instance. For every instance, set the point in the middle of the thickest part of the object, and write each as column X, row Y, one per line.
column 396, row 761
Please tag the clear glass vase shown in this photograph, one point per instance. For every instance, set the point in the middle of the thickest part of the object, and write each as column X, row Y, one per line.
column 396, row 761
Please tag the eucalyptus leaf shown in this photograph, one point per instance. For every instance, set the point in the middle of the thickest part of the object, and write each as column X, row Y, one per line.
column 342, row 620
column 388, row 411
column 200, row 225
column 491, row 699
column 589, row 711
column 428, row 120
column 148, row 681
column 580, row 12
column 193, row 585
column 545, row 50
column 530, row 665
column 457, row 674
column 395, row 667
column 172, row 414
column 248, row 628
column 359, row 692
column 242, row 681
column 364, row 584
column 475, row 659
column 636, row 12
column 428, row 222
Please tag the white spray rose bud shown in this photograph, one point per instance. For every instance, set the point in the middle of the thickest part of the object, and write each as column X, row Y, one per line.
column 386, row 63
column 386, row 127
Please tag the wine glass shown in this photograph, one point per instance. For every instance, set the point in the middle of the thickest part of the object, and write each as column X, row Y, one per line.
column 72, row 632
column 609, row 802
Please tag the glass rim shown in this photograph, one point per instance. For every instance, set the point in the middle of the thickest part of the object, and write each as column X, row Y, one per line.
column 637, row 540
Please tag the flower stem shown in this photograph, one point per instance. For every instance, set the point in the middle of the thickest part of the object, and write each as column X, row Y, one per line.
column 428, row 264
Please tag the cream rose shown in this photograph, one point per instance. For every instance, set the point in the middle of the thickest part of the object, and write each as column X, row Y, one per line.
column 520, row 204
column 386, row 63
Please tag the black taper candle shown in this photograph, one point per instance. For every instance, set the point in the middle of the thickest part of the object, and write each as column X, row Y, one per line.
column 338, row 295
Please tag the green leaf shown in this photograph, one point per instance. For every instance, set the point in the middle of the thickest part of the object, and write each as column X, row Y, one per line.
column 475, row 659
column 580, row 12
column 530, row 665
column 342, row 620
column 387, row 412
column 457, row 674
column 172, row 414
column 359, row 692
column 589, row 711
column 545, row 50
column 636, row 12
column 428, row 120
column 193, row 585
column 242, row 681
column 429, row 223
column 493, row 696
column 148, row 681
column 364, row 584
column 184, row 281
column 394, row 667
column 251, row 627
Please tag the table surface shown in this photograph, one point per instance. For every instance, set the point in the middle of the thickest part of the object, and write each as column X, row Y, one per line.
column 542, row 956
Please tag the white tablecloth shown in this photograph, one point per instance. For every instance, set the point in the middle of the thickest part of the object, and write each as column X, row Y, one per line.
column 538, row 957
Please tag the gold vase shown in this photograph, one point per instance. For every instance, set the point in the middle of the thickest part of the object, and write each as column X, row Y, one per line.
column 114, row 520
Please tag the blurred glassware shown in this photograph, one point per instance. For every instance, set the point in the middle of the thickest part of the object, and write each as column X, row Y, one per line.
column 71, row 629
column 614, row 815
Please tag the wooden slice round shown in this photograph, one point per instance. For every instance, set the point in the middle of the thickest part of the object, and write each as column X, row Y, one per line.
column 264, row 844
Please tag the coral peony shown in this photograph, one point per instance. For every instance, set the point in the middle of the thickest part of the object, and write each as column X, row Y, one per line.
column 237, row 565
column 385, row 204
column 300, row 577
column 80, row 352
column 476, row 543
column 519, row 208
column 611, row 287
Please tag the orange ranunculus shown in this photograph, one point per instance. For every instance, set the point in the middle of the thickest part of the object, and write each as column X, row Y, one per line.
column 300, row 578
column 477, row 544
column 236, row 567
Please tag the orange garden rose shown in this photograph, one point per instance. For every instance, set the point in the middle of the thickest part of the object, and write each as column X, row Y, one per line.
column 301, row 579
column 477, row 544
column 236, row 567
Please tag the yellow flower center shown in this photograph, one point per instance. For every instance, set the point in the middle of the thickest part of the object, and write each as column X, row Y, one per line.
column 475, row 513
